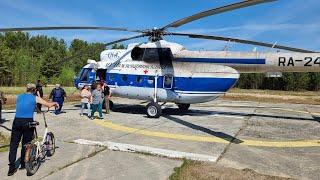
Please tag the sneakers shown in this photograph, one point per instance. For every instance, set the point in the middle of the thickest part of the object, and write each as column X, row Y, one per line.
column 12, row 170
column 81, row 115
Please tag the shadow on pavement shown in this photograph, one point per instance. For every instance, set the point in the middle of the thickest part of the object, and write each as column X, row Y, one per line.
column 221, row 135
column 140, row 109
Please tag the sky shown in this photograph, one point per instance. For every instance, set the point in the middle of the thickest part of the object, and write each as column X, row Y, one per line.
column 287, row 22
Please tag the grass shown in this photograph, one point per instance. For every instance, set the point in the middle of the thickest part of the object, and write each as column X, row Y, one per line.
column 206, row 171
column 272, row 96
column 275, row 92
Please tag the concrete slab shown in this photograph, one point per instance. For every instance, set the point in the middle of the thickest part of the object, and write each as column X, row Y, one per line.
column 66, row 154
column 119, row 165
column 297, row 163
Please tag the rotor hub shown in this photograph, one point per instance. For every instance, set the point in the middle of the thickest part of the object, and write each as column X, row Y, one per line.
column 155, row 34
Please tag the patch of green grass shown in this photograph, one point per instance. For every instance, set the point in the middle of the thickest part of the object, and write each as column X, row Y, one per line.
column 177, row 171
column 207, row 171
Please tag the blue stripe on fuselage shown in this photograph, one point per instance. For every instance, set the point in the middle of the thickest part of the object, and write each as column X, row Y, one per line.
column 203, row 84
column 223, row 60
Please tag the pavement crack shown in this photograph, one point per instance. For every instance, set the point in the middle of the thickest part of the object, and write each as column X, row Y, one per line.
column 234, row 138
column 76, row 161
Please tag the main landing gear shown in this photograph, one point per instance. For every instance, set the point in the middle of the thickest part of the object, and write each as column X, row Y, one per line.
column 183, row 107
column 154, row 110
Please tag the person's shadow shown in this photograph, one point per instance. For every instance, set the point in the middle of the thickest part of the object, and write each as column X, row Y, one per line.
column 3, row 126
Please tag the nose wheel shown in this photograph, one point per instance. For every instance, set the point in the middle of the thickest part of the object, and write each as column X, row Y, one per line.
column 154, row 110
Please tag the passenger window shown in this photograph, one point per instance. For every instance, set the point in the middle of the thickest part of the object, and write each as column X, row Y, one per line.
column 111, row 77
column 124, row 77
column 151, row 80
column 139, row 79
column 84, row 75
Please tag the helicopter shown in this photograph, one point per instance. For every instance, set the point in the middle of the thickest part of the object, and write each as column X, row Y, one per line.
column 162, row 71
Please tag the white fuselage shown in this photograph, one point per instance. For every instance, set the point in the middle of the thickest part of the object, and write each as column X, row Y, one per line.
column 191, row 76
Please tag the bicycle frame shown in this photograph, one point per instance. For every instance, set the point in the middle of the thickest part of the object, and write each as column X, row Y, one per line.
column 39, row 144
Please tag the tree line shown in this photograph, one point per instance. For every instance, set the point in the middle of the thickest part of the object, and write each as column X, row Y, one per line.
column 288, row 82
column 25, row 58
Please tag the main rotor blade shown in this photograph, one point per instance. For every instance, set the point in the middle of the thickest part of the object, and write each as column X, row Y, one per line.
column 243, row 41
column 67, row 28
column 214, row 11
column 124, row 39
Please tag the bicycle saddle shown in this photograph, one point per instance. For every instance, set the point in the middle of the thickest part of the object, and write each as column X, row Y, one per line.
column 33, row 124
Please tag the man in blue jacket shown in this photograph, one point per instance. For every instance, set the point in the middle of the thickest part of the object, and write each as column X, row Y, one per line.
column 58, row 95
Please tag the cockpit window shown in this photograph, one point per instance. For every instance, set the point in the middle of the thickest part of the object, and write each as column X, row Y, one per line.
column 84, row 74
column 151, row 54
column 137, row 53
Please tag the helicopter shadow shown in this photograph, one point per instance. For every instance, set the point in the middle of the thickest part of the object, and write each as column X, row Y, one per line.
column 218, row 134
column 140, row 109
column 168, row 114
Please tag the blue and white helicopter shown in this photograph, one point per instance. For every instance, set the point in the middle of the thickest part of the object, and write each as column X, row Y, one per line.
column 161, row 71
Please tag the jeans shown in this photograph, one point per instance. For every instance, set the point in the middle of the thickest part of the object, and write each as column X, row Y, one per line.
column 83, row 105
column 20, row 130
column 97, row 107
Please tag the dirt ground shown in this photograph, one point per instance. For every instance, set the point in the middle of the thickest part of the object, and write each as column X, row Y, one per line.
column 207, row 171
column 295, row 97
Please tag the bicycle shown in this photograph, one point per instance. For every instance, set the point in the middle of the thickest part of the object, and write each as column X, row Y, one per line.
column 37, row 150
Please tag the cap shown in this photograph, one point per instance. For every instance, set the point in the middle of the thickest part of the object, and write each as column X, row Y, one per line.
column 31, row 86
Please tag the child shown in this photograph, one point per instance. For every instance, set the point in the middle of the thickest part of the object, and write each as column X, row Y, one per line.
column 97, row 99
column 86, row 99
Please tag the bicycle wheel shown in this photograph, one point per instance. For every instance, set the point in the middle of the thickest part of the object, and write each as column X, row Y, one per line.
column 31, row 160
column 50, row 144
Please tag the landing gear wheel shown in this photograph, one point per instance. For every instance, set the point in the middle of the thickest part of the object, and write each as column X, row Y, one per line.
column 183, row 107
column 50, row 144
column 154, row 110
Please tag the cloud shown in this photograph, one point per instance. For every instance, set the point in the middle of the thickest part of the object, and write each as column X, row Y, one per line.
column 51, row 15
